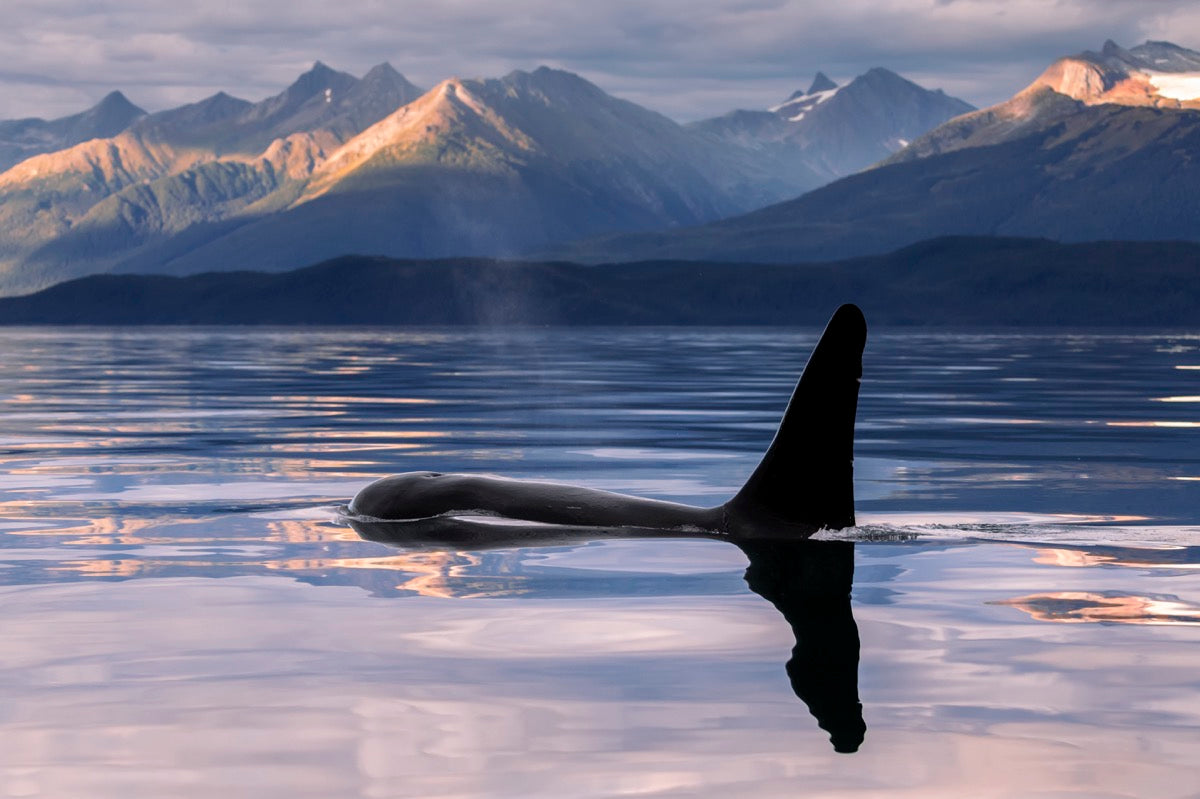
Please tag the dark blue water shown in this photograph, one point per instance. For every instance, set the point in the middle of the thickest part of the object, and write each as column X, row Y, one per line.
column 186, row 614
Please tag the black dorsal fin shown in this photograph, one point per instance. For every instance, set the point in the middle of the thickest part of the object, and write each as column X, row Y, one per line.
column 807, row 476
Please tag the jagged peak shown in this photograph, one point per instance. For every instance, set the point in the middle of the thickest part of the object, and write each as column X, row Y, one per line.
column 220, row 98
column 874, row 85
column 317, row 79
column 521, row 76
column 211, row 108
column 883, row 72
column 1149, row 56
column 821, row 83
column 1111, row 49
column 108, row 117
column 384, row 69
column 1089, row 76
column 1153, row 44
column 552, row 84
column 515, row 76
column 385, row 77
column 545, row 73
column 559, row 73
column 452, row 90
column 1157, row 56
column 447, row 107
column 451, row 85
column 115, row 97
column 879, row 79
column 115, row 103
column 1151, row 74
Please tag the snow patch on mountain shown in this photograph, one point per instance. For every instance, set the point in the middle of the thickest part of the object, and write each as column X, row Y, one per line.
column 796, row 108
column 1177, row 86
column 1151, row 74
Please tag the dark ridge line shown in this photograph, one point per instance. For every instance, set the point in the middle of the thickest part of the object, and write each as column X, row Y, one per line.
column 955, row 281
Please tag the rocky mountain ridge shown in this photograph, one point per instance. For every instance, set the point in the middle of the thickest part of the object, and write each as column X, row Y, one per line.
column 337, row 164
column 833, row 131
column 486, row 167
column 1100, row 166
column 24, row 138
column 1158, row 74
column 82, row 208
column 1114, row 76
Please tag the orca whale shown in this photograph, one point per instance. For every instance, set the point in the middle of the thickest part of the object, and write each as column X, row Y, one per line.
column 804, row 483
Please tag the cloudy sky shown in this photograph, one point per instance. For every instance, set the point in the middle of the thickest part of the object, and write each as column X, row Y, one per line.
column 686, row 58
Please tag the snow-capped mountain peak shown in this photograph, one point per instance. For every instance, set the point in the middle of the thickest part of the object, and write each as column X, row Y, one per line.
column 794, row 108
column 1153, row 73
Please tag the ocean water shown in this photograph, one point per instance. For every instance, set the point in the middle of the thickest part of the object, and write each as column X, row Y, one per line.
column 186, row 614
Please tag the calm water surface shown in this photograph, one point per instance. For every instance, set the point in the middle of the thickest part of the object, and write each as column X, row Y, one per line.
column 185, row 614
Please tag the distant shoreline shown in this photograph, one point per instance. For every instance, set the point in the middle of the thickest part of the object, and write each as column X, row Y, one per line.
column 945, row 282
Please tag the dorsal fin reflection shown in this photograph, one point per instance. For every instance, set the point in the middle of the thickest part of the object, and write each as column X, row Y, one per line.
column 808, row 581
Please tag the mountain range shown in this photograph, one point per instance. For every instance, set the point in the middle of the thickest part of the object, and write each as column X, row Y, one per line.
column 337, row 164
column 1102, row 145
column 833, row 131
column 82, row 209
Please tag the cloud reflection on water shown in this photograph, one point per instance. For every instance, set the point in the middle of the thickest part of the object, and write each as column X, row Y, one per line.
column 186, row 686
column 182, row 618
column 1075, row 607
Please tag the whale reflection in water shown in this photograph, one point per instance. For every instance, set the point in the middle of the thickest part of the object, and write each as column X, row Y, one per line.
column 808, row 581
column 804, row 483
